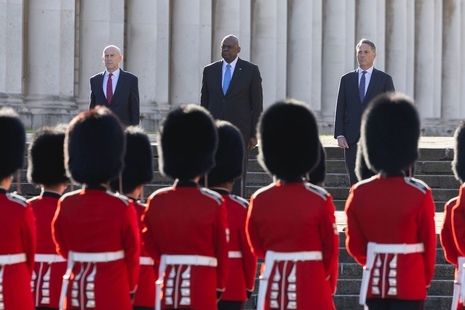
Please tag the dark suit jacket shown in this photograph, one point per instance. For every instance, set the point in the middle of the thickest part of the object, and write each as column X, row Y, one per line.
column 349, row 109
column 243, row 102
column 125, row 102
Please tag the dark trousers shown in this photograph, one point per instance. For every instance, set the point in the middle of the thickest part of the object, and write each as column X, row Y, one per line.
column 230, row 305
column 142, row 308
column 239, row 184
column 393, row 304
column 350, row 156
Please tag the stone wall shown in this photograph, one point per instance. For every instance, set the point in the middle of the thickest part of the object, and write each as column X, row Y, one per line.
column 50, row 48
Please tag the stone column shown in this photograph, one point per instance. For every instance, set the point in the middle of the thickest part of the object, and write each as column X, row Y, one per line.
column 232, row 17
column 11, row 52
column 101, row 24
column 147, row 56
column 191, row 48
column 400, row 44
column 338, row 52
column 452, row 61
column 50, row 58
column 371, row 24
column 428, row 58
column 269, row 47
column 304, row 52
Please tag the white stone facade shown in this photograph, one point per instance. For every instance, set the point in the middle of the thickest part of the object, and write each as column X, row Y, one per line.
column 50, row 48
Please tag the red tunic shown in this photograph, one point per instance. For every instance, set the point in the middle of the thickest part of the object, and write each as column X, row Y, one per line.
column 447, row 239
column 47, row 277
column 188, row 220
column 17, row 235
column 242, row 270
column 96, row 221
column 296, row 217
column 393, row 210
column 145, row 294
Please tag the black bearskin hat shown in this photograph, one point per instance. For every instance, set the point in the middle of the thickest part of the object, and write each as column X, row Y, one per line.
column 187, row 142
column 13, row 140
column 361, row 169
column 458, row 163
column 229, row 156
column 318, row 174
column 94, row 147
column 390, row 133
column 289, row 143
column 46, row 159
column 138, row 161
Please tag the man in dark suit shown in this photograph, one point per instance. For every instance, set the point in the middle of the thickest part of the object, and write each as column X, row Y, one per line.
column 232, row 91
column 116, row 89
column 356, row 90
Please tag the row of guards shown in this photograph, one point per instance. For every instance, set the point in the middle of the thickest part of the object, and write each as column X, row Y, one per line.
column 194, row 245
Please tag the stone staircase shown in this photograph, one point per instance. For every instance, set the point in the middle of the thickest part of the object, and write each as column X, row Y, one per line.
column 433, row 167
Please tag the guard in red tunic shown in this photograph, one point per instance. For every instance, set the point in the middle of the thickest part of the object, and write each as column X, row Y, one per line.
column 138, row 169
column 242, row 262
column 186, row 224
column 291, row 222
column 448, row 242
column 390, row 217
column 17, row 227
column 94, row 229
column 46, row 168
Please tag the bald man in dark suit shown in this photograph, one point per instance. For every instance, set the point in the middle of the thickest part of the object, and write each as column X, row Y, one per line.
column 124, row 87
column 356, row 90
column 240, row 103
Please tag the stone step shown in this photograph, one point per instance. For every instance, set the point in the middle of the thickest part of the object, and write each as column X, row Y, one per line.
column 350, row 302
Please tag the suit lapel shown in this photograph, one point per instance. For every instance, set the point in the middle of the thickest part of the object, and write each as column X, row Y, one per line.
column 121, row 81
column 236, row 74
column 218, row 71
column 373, row 81
column 99, row 85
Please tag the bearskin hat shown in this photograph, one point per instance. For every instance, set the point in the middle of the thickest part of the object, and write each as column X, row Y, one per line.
column 361, row 169
column 229, row 156
column 46, row 162
column 187, row 142
column 390, row 133
column 318, row 174
column 13, row 140
column 458, row 163
column 94, row 147
column 289, row 143
column 138, row 161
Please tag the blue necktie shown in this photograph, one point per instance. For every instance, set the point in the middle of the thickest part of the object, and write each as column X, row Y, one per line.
column 227, row 78
column 361, row 88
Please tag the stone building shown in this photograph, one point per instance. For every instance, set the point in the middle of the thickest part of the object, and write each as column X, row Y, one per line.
column 50, row 48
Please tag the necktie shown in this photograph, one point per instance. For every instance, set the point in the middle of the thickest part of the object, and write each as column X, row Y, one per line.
column 109, row 88
column 361, row 88
column 227, row 78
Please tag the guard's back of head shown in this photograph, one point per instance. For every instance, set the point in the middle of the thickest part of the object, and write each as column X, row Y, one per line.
column 458, row 163
column 13, row 140
column 229, row 156
column 46, row 162
column 289, row 145
column 390, row 133
column 138, row 161
column 94, row 147
column 187, row 142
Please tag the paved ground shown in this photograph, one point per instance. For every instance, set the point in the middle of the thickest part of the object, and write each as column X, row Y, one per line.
column 425, row 142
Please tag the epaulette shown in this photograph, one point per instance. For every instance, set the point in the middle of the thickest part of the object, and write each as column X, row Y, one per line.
column 212, row 194
column 320, row 191
column 419, row 184
column 17, row 198
column 243, row 202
